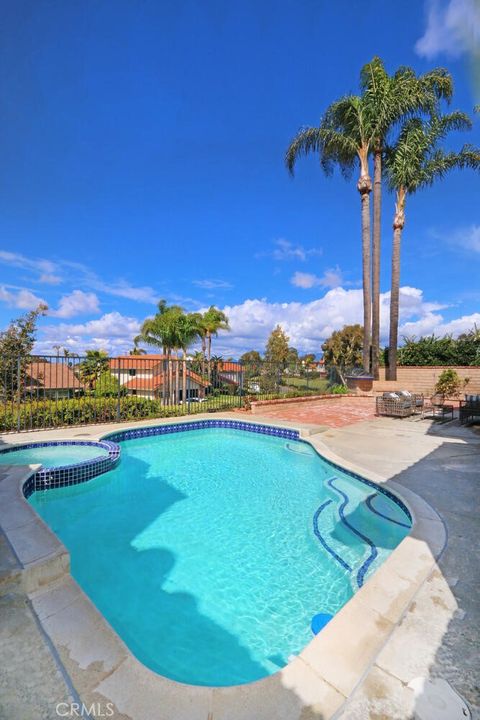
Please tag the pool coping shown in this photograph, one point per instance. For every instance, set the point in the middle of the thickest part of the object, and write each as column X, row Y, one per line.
column 320, row 678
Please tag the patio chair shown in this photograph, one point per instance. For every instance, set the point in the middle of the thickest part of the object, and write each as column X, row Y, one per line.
column 469, row 410
column 394, row 405
column 436, row 408
column 417, row 399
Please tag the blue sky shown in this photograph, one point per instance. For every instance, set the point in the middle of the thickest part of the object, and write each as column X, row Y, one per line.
column 141, row 156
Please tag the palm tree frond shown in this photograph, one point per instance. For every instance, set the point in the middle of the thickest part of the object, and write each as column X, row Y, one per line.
column 307, row 140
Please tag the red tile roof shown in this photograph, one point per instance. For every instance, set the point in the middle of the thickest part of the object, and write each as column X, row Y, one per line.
column 136, row 362
column 155, row 382
column 52, row 376
column 230, row 367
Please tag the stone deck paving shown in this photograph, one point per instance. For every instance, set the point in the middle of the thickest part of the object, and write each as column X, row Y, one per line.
column 332, row 413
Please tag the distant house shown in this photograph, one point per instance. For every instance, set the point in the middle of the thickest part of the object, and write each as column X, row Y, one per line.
column 319, row 366
column 231, row 372
column 53, row 380
column 147, row 376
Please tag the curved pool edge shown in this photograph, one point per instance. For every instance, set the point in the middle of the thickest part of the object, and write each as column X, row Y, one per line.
column 320, row 678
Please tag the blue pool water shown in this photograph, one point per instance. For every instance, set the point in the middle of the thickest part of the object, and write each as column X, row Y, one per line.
column 52, row 455
column 210, row 551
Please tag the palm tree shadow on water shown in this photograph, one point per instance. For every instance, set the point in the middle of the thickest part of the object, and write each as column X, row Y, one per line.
column 161, row 625
column 133, row 595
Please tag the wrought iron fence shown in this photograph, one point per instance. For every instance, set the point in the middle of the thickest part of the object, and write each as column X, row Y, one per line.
column 44, row 391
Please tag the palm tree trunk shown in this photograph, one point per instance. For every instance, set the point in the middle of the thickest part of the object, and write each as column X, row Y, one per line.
column 170, row 377
column 209, row 354
column 377, row 212
column 204, row 351
column 184, row 378
column 165, row 377
column 177, row 379
column 365, row 187
column 398, row 225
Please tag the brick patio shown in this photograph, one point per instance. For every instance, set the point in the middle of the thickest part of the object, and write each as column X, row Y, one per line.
column 337, row 412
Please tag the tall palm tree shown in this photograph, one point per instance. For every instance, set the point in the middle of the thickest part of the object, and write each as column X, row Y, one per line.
column 188, row 330
column 392, row 99
column 352, row 129
column 159, row 331
column 345, row 137
column 213, row 320
column 415, row 162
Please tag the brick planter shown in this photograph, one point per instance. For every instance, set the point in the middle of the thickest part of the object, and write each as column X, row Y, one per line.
column 305, row 398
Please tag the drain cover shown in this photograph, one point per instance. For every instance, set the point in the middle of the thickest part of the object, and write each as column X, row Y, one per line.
column 437, row 700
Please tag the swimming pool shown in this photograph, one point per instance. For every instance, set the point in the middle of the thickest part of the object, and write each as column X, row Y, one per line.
column 52, row 454
column 211, row 551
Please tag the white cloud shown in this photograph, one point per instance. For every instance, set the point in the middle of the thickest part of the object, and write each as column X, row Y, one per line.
column 123, row 289
column 112, row 332
column 467, row 238
column 453, row 28
column 213, row 284
column 110, row 325
column 330, row 279
column 53, row 273
column 20, row 298
column 309, row 324
column 46, row 267
column 76, row 303
column 286, row 250
column 50, row 279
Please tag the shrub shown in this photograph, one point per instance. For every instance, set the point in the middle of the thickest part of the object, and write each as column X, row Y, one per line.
column 339, row 389
column 450, row 383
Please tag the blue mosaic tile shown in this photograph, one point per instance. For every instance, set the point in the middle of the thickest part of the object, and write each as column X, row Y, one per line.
column 65, row 475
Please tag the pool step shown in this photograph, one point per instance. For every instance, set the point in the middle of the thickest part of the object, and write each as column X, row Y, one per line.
column 340, row 537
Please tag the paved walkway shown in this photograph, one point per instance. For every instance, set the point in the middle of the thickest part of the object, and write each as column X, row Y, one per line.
column 332, row 413
column 440, row 635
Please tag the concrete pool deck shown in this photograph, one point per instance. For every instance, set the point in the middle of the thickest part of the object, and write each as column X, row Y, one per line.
column 417, row 617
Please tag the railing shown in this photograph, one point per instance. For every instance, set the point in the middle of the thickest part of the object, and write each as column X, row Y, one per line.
column 38, row 392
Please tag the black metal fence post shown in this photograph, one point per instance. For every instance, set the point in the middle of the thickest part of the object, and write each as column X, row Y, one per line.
column 19, row 365
column 240, row 386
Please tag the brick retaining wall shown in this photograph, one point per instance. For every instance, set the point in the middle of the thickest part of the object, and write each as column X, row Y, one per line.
column 417, row 379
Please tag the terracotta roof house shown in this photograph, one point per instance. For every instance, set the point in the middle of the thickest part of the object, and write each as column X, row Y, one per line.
column 52, row 380
column 145, row 376
column 231, row 372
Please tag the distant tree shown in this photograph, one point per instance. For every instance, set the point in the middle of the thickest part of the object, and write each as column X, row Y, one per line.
column 107, row 385
column 16, row 344
column 188, row 330
column 343, row 349
column 252, row 360
column 213, row 320
column 277, row 349
column 292, row 358
column 92, row 367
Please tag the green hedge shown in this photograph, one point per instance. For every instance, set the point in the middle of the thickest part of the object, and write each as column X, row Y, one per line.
column 39, row 414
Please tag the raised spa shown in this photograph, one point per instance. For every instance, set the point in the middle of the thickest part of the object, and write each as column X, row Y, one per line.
column 210, row 551
column 52, row 454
